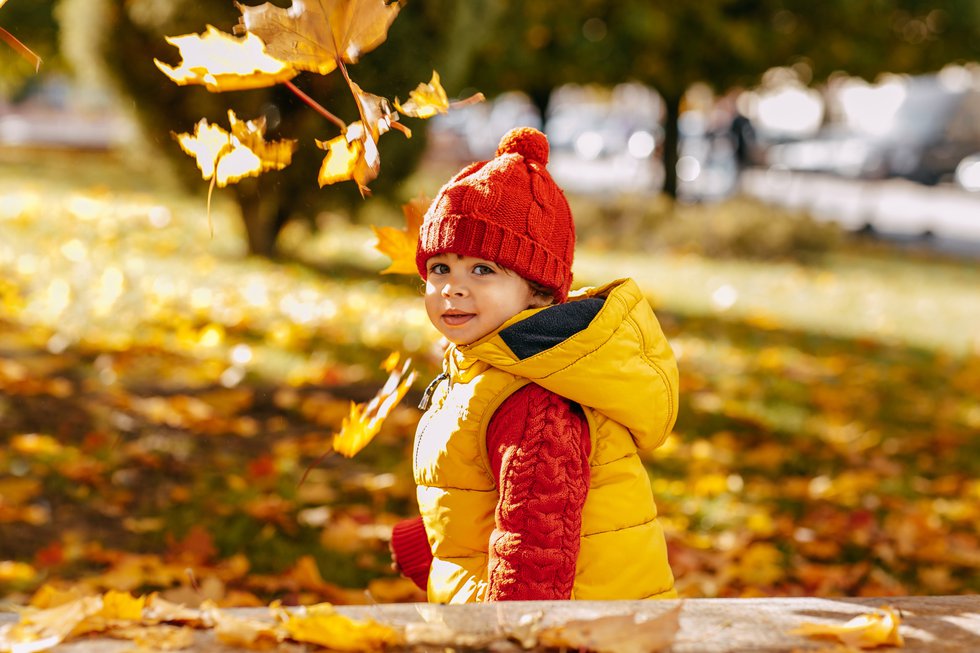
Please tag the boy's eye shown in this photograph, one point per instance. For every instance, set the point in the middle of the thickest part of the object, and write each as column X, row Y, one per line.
column 482, row 269
column 438, row 268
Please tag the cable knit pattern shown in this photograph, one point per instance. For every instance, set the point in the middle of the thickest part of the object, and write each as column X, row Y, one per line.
column 539, row 450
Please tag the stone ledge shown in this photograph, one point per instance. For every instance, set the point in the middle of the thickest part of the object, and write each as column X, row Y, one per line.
column 929, row 623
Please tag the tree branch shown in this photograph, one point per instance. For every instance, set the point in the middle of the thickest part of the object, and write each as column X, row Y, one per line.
column 316, row 106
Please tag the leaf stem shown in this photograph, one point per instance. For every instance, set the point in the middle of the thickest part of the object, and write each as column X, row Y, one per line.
column 350, row 84
column 473, row 99
column 19, row 47
column 316, row 106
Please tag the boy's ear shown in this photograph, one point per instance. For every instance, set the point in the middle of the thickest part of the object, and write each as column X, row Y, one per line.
column 539, row 300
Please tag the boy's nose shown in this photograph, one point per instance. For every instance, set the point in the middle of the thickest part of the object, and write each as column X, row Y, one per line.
column 453, row 290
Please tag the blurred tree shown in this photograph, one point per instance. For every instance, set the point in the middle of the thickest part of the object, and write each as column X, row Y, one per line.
column 671, row 45
column 122, row 37
column 33, row 23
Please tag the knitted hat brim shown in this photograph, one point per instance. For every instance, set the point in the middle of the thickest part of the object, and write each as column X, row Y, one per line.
column 468, row 235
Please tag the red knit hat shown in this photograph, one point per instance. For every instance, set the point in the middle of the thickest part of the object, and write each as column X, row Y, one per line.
column 507, row 210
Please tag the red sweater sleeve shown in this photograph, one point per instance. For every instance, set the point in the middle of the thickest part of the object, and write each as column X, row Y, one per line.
column 539, row 451
column 410, row 551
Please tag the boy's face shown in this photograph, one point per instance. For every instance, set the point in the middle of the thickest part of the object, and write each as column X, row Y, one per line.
column 466, row 298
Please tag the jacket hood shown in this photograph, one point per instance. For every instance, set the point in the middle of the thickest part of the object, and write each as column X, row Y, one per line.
column 603, row 348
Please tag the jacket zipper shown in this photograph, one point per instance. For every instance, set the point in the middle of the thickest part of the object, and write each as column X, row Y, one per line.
column 430, row 389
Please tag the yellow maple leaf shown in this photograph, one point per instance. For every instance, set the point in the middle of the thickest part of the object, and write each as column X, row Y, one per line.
column 870, row 630
column 122, row 605
column 365, row 420
column 352, row 156
column 316, row 36
column 222, row 62
column 231, row 156
column 400, row 244
column 321, row 624
column 426, row 100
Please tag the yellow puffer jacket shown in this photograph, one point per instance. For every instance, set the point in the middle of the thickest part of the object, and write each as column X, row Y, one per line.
column 604, row 350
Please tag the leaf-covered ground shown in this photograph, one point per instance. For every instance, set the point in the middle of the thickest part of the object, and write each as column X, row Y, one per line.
column 165, row 404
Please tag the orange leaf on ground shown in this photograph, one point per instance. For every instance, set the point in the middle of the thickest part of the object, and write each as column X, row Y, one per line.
column 321, row 624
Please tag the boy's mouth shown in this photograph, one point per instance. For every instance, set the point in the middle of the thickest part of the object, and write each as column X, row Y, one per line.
column 457, row 318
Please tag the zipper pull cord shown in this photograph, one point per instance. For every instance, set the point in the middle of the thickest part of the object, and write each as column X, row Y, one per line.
column 429, row 390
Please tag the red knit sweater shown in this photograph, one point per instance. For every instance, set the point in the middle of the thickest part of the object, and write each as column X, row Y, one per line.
column 539, row 452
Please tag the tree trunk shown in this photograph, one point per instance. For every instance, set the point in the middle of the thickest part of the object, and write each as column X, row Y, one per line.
column 540, row 96
column 672, row 105
column 262, row 225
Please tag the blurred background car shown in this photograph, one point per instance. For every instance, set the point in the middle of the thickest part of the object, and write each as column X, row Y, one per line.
column 967, row 174
column 934, row 122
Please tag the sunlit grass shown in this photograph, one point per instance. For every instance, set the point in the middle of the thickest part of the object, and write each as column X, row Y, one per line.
column 154, row 379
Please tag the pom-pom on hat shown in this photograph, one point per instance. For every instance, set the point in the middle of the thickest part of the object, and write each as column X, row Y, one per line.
column 507, row 210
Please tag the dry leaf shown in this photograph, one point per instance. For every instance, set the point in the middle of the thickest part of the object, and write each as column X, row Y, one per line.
column 42, row 629
column 156, row 638
column 364, row 421
column 159, row 610
column 400, row 244
column 316, row 36
column 870, row 630
column 426, row 100
column 619, row 634
column 122, row 606
column 222, row 62
column 321, row 624
column 375, row 112
column 48, row 596
column 248, row 633
column 352, row 156
column 231, row 156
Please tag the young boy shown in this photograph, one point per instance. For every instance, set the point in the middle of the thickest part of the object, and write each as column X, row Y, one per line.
column 529, row 480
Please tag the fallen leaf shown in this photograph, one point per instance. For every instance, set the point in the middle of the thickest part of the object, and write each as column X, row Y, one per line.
column 222, row 62
column 155, row 638
column 48, row 596
column 122, row 605
column 317, row 36
column 321, row 624
column 618, row 634
column 41, row 629
column 400, row 244
column 870, row 630
column 248, row 633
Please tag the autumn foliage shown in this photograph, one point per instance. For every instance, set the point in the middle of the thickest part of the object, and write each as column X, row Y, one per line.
column 276, row 45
